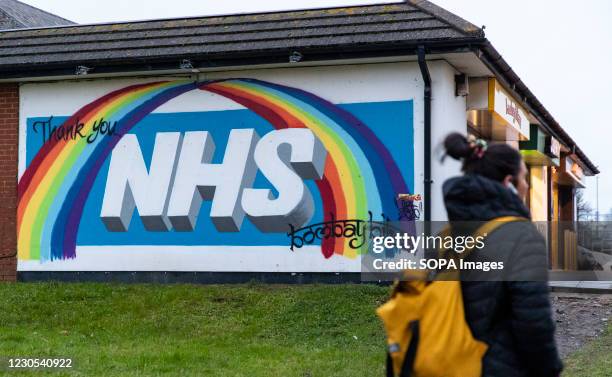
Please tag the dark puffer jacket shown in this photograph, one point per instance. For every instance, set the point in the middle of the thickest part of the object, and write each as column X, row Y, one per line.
column 512, row 316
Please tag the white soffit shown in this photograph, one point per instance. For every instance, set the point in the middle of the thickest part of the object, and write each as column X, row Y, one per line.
column 466, row 62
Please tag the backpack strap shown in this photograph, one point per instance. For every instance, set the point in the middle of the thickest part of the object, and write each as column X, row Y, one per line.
column 412, row 349
column 483, row 231
column 410, row 356
column 491, row 225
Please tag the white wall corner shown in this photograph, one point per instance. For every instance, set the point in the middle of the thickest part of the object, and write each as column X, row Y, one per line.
column 448, row 114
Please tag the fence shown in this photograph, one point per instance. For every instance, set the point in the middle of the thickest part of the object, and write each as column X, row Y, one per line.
column 570, row 248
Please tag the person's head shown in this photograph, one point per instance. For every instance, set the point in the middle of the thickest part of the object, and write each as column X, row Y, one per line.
column 499, row 162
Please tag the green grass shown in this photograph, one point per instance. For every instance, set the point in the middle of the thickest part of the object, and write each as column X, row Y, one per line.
column 594, row 360
column 195, row 330
column 211, row 330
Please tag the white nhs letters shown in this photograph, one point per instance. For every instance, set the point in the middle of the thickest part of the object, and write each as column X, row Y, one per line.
column 197, row 179
column 279, row 155
column 129, row 185
column 181, row 176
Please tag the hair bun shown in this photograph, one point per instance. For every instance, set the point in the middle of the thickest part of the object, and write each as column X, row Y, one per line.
column 457, row 146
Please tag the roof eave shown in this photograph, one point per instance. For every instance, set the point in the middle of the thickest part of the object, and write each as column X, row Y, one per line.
column 502, row 70
column 243, row 58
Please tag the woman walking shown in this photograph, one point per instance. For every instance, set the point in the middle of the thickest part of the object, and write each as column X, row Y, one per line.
column 512, row 312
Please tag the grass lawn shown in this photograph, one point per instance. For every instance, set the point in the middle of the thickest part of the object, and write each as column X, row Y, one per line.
column 207, row 330
column 594, row 360
column 195, row 330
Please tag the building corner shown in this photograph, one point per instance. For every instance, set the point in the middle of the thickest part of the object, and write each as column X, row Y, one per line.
column 9, row 129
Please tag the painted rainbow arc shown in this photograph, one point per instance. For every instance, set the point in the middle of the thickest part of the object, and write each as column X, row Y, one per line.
column 360, row 174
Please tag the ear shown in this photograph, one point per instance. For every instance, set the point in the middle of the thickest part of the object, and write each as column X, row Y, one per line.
column 507, row 180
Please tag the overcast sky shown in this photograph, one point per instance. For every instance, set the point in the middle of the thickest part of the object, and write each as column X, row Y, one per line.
column 561, row 49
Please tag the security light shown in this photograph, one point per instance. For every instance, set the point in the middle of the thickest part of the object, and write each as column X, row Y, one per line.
column 82, row 70
column 295, row 57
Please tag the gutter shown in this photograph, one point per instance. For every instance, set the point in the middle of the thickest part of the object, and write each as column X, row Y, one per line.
column 426, row 132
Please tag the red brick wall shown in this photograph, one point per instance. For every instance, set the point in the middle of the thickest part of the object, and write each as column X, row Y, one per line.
column 9, row 128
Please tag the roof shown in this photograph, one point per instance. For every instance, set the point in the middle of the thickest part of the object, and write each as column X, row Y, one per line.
column 17, row 15
column 242, row 39
column 215, row 37
column 503, row 70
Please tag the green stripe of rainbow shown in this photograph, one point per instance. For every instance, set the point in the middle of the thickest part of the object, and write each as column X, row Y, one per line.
column 58, row 171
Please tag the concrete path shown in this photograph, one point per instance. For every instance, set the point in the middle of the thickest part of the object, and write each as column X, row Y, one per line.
column 582, row 286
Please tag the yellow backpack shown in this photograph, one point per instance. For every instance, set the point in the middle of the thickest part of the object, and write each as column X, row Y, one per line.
column 427, row 334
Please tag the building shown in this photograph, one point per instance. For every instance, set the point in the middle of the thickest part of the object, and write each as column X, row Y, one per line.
column 17, row 15
column 213, row 148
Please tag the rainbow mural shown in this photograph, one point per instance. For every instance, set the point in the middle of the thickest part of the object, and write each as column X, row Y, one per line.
column 360, row 174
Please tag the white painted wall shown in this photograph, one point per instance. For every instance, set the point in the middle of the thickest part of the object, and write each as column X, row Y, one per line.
column 448, row 114
column 339, row 84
